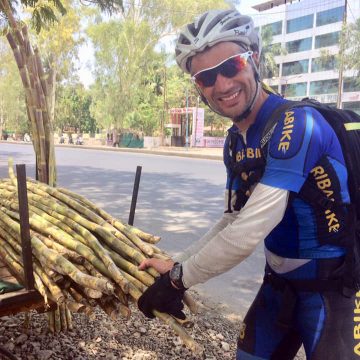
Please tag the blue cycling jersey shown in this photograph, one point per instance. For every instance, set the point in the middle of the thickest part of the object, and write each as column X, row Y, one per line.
column 303, row 147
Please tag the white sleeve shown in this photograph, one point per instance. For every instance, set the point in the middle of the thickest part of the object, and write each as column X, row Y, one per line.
column 262, row 212
column 224, row 221
column 221, row 224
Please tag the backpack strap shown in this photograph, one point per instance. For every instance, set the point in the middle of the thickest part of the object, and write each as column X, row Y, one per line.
column 232, row 162
column 250, row 172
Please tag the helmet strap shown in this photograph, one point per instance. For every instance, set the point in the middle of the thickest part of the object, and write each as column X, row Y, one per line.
column 247, row 112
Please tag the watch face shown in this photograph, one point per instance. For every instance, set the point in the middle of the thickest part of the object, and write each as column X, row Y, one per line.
column 175, row 272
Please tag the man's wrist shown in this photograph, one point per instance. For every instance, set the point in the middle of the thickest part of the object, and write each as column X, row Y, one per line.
column 175, row 275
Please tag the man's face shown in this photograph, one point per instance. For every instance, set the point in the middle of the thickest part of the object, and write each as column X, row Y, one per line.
column 228, row 96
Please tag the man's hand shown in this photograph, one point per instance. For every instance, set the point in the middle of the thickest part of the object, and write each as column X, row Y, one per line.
column 161, row 266
column 162, row 296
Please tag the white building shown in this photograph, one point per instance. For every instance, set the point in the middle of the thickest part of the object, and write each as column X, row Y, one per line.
column 305, row 29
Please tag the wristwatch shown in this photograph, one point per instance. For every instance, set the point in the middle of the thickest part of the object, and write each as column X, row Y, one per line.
column 176, row 274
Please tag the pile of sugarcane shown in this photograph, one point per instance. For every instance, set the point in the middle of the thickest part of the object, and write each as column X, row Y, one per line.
column 82, row 256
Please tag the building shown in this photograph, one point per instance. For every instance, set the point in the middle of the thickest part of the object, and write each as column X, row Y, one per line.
column 309, row 31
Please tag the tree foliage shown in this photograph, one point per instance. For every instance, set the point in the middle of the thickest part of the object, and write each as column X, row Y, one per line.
column 130, row 69
column 268, row 66
column 73, row 109
column 352, row 55
column 12, row 107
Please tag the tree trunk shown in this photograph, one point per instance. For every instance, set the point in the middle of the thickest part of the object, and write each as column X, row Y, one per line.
column 36, row 86
column 39, row 96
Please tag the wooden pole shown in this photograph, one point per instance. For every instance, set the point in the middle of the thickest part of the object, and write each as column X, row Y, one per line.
column 25, row 227
column 134, row 196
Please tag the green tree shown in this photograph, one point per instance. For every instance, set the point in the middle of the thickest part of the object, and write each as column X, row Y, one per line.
column 36, row 79
column 59, row 45
column 73, row 109
column 127, row 61
column 12, row 107
column 352, row 54
column 268, row 66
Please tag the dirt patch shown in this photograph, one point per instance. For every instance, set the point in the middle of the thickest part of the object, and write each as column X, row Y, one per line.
column 214, row 328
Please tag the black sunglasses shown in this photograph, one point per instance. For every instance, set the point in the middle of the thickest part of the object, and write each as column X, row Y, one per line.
column 229, row 68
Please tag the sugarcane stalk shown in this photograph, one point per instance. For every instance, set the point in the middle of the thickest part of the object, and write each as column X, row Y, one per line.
column 114, row 222
column 110, row 240
column 77, row 296
column 75, row 200
column 51, row 321
column 63, row 317
column 105, row 234
column 91, row 241
column 62, row 250
column 68, row 317
column 9, row 257
column 70, row 202
column 109, row 308
column 65, row 267
column 57, row 320
column 75, row 307
column 130, row 268
column 41, row 225
column 123, row 298
column 80, row 299
column 193, row 305
column 134, row 283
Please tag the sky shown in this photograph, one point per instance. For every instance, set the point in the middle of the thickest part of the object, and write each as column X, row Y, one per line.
column 86, row 51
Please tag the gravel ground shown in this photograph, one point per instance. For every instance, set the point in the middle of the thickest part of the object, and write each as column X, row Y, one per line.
column 137, row 338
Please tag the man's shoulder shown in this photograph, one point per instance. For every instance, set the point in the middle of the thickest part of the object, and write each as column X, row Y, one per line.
column 294, row 128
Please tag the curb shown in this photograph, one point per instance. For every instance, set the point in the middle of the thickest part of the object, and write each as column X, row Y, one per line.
column 167, row 152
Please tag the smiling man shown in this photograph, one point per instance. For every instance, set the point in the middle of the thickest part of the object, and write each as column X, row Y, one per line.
column 274, row 178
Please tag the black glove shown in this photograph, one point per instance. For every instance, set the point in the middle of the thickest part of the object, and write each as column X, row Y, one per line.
column 162, row 296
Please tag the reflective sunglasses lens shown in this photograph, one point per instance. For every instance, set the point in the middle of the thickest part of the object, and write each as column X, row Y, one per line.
column 206, row 78
column 228, row 68
column 232, row 67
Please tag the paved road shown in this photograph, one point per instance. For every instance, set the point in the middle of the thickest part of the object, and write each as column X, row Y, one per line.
column 179, row 199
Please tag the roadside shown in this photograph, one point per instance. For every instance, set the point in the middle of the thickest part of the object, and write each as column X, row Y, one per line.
column 136, row 338
column 191, row 152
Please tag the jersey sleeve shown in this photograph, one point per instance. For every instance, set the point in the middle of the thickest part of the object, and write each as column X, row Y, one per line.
column 298, row 142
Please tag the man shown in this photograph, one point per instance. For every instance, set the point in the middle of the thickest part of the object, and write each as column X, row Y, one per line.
column 266, row 201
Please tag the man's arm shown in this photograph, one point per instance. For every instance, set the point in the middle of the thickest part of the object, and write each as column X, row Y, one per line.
column 221, row 224
column 262, row 212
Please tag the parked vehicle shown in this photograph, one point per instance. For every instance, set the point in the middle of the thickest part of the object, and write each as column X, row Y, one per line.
column 79, row 140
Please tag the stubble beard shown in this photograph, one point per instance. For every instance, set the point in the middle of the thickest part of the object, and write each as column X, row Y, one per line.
column 235, row 111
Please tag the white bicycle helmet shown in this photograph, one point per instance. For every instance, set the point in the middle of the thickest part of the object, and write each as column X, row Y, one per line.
column 213, row 27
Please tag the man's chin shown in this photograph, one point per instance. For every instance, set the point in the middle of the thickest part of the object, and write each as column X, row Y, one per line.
column 231, row 112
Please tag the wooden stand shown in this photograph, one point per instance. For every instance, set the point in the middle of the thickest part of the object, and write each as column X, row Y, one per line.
column 25, row 299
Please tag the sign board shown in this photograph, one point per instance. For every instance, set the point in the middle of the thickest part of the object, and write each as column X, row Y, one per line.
column 214, row 142
column 189, row 110
column 198, row 127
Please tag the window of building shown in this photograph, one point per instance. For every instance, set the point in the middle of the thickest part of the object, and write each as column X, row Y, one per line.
column 301, row 23
column 290, row 90
column 351, row 84
column 276, row 28
column 323, row 63
column 270, row 73
column 295, row 67
column 352, row 105
column 324, row 87
column 330, row 16
column 299, row 45
column 327, row 39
